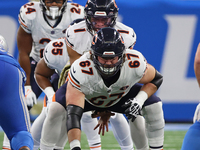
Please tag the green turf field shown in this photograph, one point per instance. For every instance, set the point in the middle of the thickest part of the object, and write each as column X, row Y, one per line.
column 173, row 141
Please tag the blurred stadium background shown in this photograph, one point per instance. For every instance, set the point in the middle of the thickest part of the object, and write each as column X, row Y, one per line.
column 167, row 34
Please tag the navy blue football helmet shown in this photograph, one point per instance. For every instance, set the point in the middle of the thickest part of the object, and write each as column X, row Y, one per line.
column 103, row 9
column 108, row 44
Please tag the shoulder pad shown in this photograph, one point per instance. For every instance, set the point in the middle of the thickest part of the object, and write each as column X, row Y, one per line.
column 127, row 33
column 55, row 54
column 73, row 34
column 76, row 10
column 135, row 60
column 28, row 13
column 80, row 70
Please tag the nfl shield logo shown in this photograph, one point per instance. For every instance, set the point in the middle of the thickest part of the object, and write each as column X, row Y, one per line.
column 52, row 32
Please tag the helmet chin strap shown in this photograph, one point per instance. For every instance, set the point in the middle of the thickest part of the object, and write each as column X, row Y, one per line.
column 53, row 12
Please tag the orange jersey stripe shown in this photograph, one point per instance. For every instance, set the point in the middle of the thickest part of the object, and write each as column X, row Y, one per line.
column 22, row 23
column 68, row 44
column 73, row 80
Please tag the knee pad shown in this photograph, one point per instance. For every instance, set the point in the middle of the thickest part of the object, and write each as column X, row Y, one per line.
column 154, row 122
column 22, row 138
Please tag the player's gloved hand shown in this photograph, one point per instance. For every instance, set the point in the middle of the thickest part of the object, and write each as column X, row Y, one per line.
column 133, row 108
column 30, row 96
column 197, row 114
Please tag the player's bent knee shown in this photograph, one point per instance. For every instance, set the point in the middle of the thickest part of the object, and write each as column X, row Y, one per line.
column 154, row 117
column 55, row 110
column 22, row 138
column 154, row 113
column 155, row 123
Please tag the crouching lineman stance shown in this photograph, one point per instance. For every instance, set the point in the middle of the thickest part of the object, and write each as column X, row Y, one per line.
column 103, row 79
column 100, row 14
column 15, row 122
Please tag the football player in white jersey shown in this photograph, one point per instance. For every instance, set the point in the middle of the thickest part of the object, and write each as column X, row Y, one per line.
column 80, row 39
column 104, row 79
column 118, row 122
column 41, row 22
column 54, row 60
column 98, row 15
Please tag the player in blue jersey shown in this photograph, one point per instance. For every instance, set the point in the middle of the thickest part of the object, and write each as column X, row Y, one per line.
column 14, row 117
column 192, row 137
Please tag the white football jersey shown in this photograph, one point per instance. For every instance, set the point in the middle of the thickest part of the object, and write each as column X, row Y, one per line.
column 79, row 39
column 55, row 55
column 84, row 76
column 32, row 20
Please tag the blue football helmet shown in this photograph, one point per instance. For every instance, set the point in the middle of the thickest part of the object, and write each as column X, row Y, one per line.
column 106, row 9
column 108, row 43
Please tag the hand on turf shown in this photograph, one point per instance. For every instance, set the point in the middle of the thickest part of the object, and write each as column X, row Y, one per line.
column 133, row 108
column 197, row 114
column 30, row 96
column 103, row 121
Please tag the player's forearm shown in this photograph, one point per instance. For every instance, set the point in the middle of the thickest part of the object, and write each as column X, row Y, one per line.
column 149, row 88
column 45, row 85
column 24, row 62
column 42, row 81
column 146, row 91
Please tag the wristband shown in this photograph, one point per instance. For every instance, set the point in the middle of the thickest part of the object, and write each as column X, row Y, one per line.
column 49, row 91
column 141, row 97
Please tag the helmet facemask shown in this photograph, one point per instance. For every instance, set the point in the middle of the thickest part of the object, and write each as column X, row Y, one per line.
column 100, row 9
column 54, row 11
column 108, row 45
column 107, row 70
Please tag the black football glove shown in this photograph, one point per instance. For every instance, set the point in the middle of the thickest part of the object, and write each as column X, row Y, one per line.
column 133, row 109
